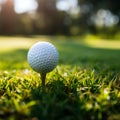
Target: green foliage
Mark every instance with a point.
(84, 85)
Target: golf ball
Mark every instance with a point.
(43, 57)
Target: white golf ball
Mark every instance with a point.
(43, 57)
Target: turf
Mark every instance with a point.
(84, 86)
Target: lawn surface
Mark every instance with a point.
(84, 86)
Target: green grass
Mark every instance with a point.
(84, 86)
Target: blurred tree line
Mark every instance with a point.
(88, 16)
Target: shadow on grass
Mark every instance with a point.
(56, 101)
(79, 54)
(71, 53)
(15, 59)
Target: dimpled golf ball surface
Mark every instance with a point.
(43, 57)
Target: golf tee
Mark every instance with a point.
(43, 77)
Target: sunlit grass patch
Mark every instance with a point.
(18, 42)
(105, 44)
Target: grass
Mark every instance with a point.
(84, 86)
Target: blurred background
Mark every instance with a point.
(60, 17)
